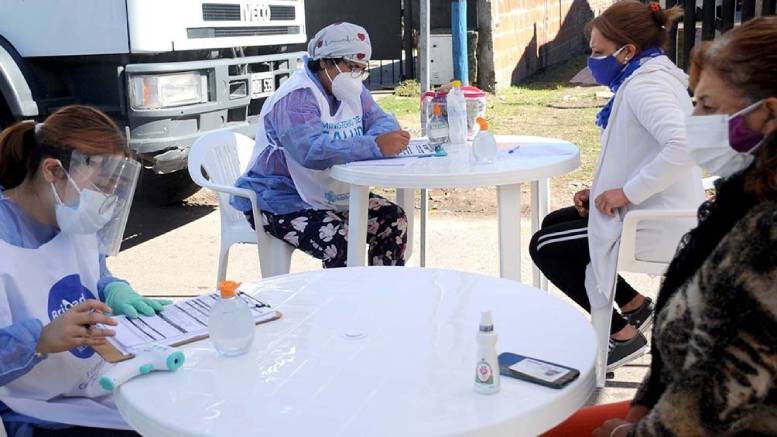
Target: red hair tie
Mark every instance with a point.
(655, 7)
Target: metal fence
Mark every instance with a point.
(711, 19)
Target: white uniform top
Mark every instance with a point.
(43, 284)
(316, 187)
(644, 151)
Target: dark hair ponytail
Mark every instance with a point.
(87, 130)
(17, 147)
(646, 26)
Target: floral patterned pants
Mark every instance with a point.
(324, 234)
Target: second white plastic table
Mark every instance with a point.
(535, 160)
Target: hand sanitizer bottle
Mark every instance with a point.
(230, 323)
(487, 366)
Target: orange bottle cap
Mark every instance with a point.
(228, 289)
(482, 123)
(437, 109)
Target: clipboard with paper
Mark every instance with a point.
(178, 324)
(420, 147)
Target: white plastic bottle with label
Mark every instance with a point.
(230, 323)
(457, 114)
(487, 364)
(484, 145)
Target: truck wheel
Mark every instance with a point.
(165, 189)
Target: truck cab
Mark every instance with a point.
(168, 71)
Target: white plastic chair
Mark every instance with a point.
(224, 156)
(628, 262)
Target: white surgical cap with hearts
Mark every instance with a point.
(341, 40)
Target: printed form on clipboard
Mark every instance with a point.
(420, 147)
(180, 323)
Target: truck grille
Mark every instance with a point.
(278, 13)
(231, 12)
(224, 32)
(220, 12)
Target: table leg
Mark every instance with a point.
(424, 217)
(540, 203)
(359, 202)
(406, 200)
(509, 205)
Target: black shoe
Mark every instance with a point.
(621, 352)
(642, 317)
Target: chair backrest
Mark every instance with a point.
(627, 254)
(224, 156)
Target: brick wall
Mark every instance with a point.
(527, 35)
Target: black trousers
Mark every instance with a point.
(560, 250)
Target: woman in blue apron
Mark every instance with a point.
(320, 117)
(66, 186)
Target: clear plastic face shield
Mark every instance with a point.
(96, 197)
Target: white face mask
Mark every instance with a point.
(344, 87)
(93, 211)
(709, 142)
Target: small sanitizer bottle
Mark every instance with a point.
(487, 365)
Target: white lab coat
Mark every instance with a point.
(644, 151)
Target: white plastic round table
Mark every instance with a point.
(535, 160)
(373, 351)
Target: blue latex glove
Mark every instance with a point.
(124, 300)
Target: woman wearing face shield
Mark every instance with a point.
(66, 186)
(320, 117)
(643, 164)
(714, 352)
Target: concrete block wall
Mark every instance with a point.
(527, 35)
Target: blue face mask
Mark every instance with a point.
(605, 68)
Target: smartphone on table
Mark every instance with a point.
(536, 371)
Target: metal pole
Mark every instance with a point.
(423, 76)
(459, 31)
(423, 46)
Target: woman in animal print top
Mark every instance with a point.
(714, 353)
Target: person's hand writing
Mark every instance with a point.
(76, 328)
(393, 143)
(611, 200)
(581, 201)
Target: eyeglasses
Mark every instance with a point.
(356, 71)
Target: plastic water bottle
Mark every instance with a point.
(484, 145)
(457, 114)
(487, 365)
(438, 127)
(230, 323)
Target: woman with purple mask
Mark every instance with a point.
(714, 354)
(320, 117)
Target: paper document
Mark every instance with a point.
(418, 147)
(179, 323)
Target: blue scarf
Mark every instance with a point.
(603, 117)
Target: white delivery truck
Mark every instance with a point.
(168, 71)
